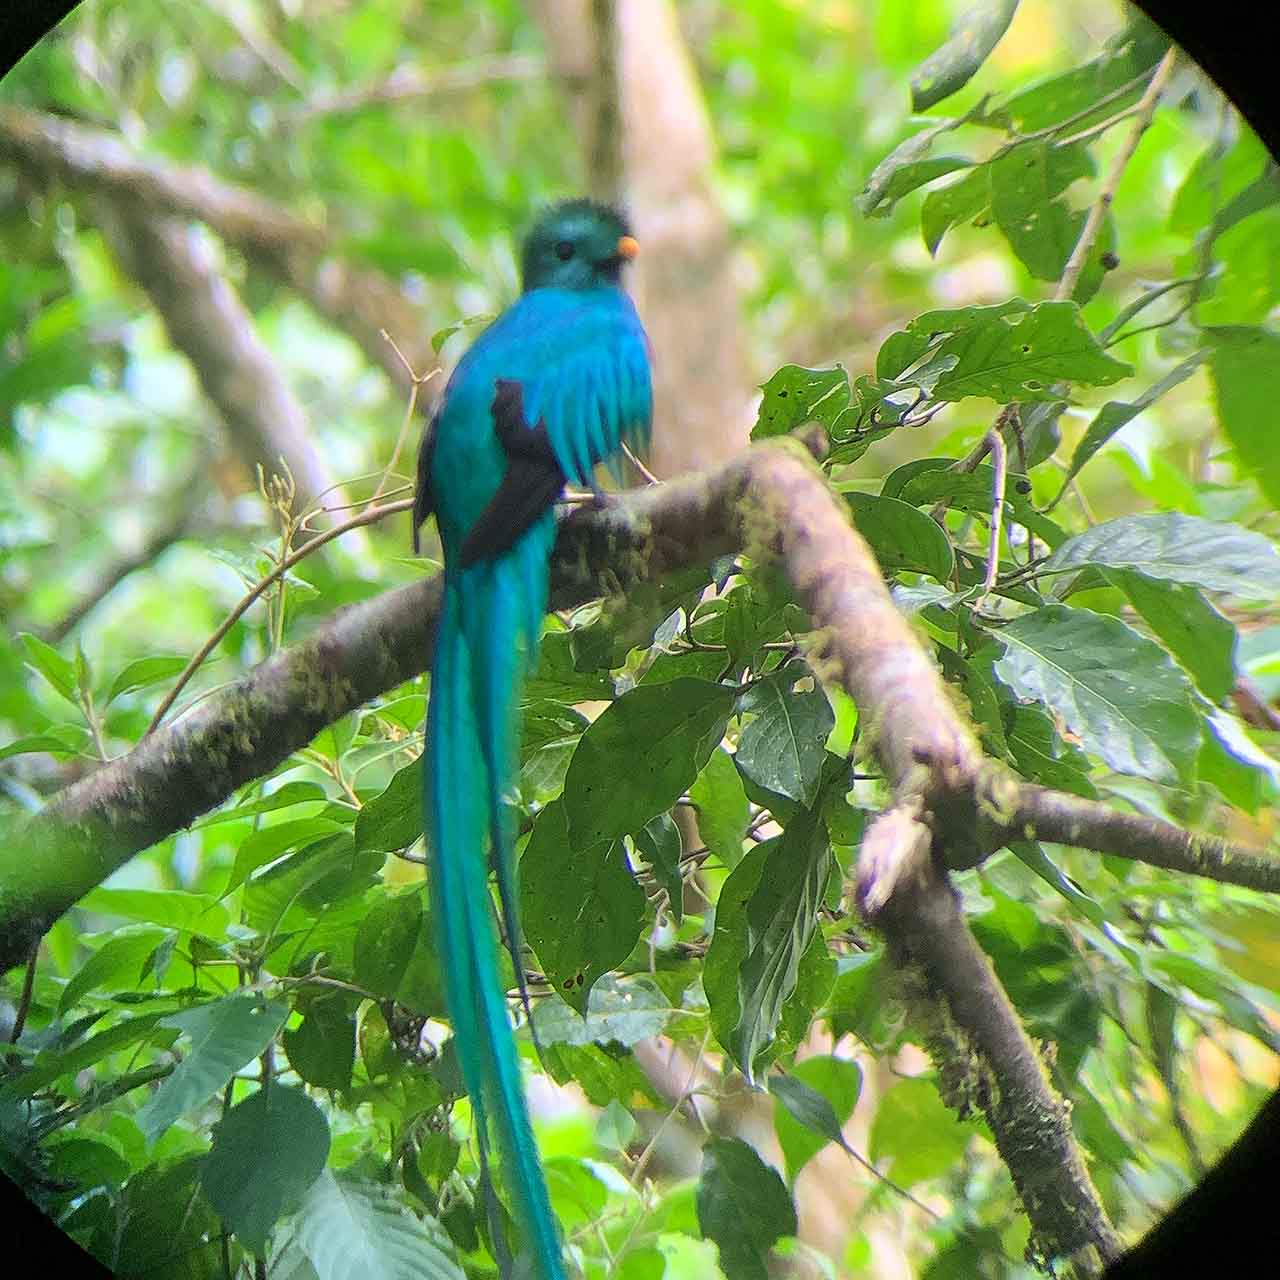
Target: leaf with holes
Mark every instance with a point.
(1014, 351)
(782, 749)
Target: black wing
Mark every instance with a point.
(532, 483)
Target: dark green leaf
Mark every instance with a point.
(783, 747)
(818, 1096)
(901, 536)
(395, 955)
(1245, 367)
(283, 797)
(266, 1152)
(558, 680)
(1059, 97)
(1187, 549)
(581, 907)
(392, 820)
(953, 65)
(322, 1049)
(225, 1035)
(723, 812)
(888, 185)
(744, 1206)
(1115, 689)
(658, 842)
(766, 920)
(1197, 635)
(667, 732)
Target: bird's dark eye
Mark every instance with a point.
(564, 250)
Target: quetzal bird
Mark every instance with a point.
(551, 388)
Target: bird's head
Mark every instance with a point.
(577, 244)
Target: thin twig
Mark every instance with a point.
(24, 1000)
(648, 475)
(1093, 223)
(995, 442)
(370, 515)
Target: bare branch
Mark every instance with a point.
(411, 83)
(1144, 111)
(295, 249)
(1087, 824)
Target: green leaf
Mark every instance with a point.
(723, 811)
(322, 1048)
(668, 731)
(794, 396)
(817, 1097)
(782, 749)
(1197, 635)
(918, 1132)
(1041, 229)
(951, 205)
(1117, 413)
(619, 1010)
(952, 66)
(581, 907)
(173, 908)
(392, 820)
(1247, 285)
(1054, 99)
(145, 671)
(557, 679)
(1234, 763)
(283, 797)
(1245, 369)
(1116, 690)
(60, 672)
(266, 1152)
(289, 894)
(120, 956)
(395, 956)
(766, 919)
(1186, 549)
(660, 845)
(225, 1035)
(897, 176)
(353, 1230)
(269, 843)
(1014, 351)
(901, 536)
(52, 1064)
(973, 492)
(1041, 755)
(744, 1206)
(39, 742)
